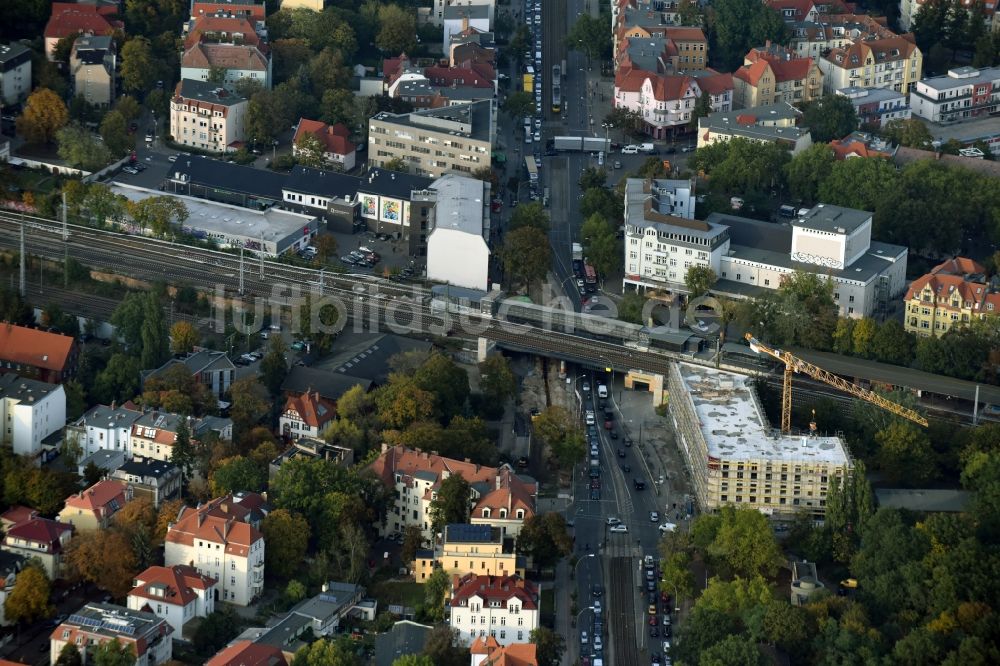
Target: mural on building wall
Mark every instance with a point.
(369, 206)
(390, 211)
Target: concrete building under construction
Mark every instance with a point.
(737, 458)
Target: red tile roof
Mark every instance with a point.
(630, 80)
(206, 26)
(18, 514)
(715, 83)
(40, 530)
(217, 521)
(477, 75)
(97, 498)
(959, 266)
(502, 589)
(313, 410)
(515, 654)
(844, 148)
(38, 349)
(801, 7)
(401, 460)
(178, 584)
(254, 9)
(70, 19)
(336, 138)
(943, 286)
(248, 653)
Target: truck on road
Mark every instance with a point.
(591, 144)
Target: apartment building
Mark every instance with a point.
(953, 294)
(176, 594)
(70, 18)
(772, 124)
(446, 8)
(465, 549)
(235, 61)
(92, 67)
(666, 102)
(92, 509)
(103, 427)
(433, 142)
(737, 459)
(15, 73)
(30, 411)
(156, 479)
(877, 106)
(153, 434)
(218, 541)
(36, 354)
(499, 497)
(641, 19)
(771, 74)
(894, 63)
(212, 369)
(502, 607)
(149, 636)
(962, 94)
(41, 539)
(206, 116)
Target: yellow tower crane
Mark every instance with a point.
(795, 364)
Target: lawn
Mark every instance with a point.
(547, 611)
(404, 593)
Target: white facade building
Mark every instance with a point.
(964, 93)
(458, 252)
(148, 635)
(103, 428)
(208, 117)
(30, 411)
(177, 594)
(505, 607)
(15, 73)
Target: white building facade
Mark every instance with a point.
(964, 93)
(207, 117)
(177, 594)
(30, 411)
(504, 607)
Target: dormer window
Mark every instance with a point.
(486, 513)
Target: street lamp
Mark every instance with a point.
(577, 566)
(576, 621)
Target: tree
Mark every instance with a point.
(525, 256)
(497, 380)
(104, 558)
(183, 337)
(414, 660)
(563, 434)
(216, 630)
(401, 402)
(601, 245)
(138, 69)
(113, 653)
(829, 117)
(529, 215)
(734, 27)
(69, 656)
(274, 367)
(545, 539)
(742, 166)
(593, 177)
(742, 541)
(44, 114)
(733, 650)
(452, 503)
(79, 147)
(310, 151)
(702, 107)
(863, 338)
(29, 600)
(589, 35)
(237, 474)
(128, 108)
(288, 536)
(808, 169)
(893, 344)
(397, 29)
(549, 646)
(326, 246)
(519, 105)
(114, 131)
(699, 280)
(249, 403)
(909, 132)
(863, 184)
(338, 106)
(119, 380)
(437, 586)
(413, 539)
(444, 646)
(905, 455)
(160, 214)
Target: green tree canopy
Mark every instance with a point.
(829, 117)
(525, 256)
(288, 536)
(452, 504)
(544, 537)
(699, 280)
(808, 169)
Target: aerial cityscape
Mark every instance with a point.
(499, 332)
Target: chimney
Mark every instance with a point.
(465, 22)
(455, 580)
(325, 587)
(767, 44)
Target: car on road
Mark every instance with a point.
(597, 607)
(654, 517)
(626, 468)
(612, 521)
(667, 527)
(620, 528)
(596, 590)
(586, 387)
(639, 484)
(595, 484)
(595, 494)
(688, 149)
(348, 259)
(590, 417)
(654, 621)
(627, 441)
(618, 164)
(621, 453)
(654, 632)
(130, 169)
(598, 643)
(584, 639)
(652, 610)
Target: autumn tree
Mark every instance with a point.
(699, 280)
(544, 537)
(452, 504)
(496, 380)
(138, 70)
(104, 558)
(310, 151)
(274, 367)
(183, 337)
(525, 256)
(80, 149)
(563, 434)
(44, 114)
(287, 534)
(413, 540)
(549, 646)
(236, 474)
(397, 29)
(29, 600)
(249, 403)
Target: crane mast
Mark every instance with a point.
(794, 364)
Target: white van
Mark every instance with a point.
(600, 158)
(602, 391)
(630, 150)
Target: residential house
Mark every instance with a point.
(226, 48)
(462, 16)
(315, 5)
(688, 46)
(962, 94)
(15, 73)
(505, 607)
(30, 411)
(467, 52)
(877, 106)
(248, 653)
(95, 623)
(666, 102)
(953, 294)
(105, 460)
(861, 144)
(499, 496)
(92, 64)
(42, 539)
(795, 11)
(861, 52)
(154, 433)
(335, 141)
(36, 354)
(432, 142)
(488, 652)
(212, 369)
(765, 124)
(465, 549)
(436, 15)
(69, 18)
(10, 565)
(405, 637)
(156, 479)
(254, 10)
(772, 74)
(207, 117)
(103, 428)
(177, 594)
(16, 515)
(93, 508)
(306, 415)
(460, 227)
(216, 539)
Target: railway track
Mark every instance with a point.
(621, 611)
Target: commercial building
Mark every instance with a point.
(177, 594)
(877, 106)
(962, 94)
(41, 539)
(772, 74)
(216, 539)
(148, 636)
(433, 142)
(273, 231)
(751, 257)
(458, 251)
(504, 607)
(205, 116)
(735, 456)
(334, 141)
(666, 101)
(766, 124)
(37, 354)
(92, 509)
(465, 549)
(92, 64)
(499, 497)
(30, 411)
(15, 73)
(953, 294)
